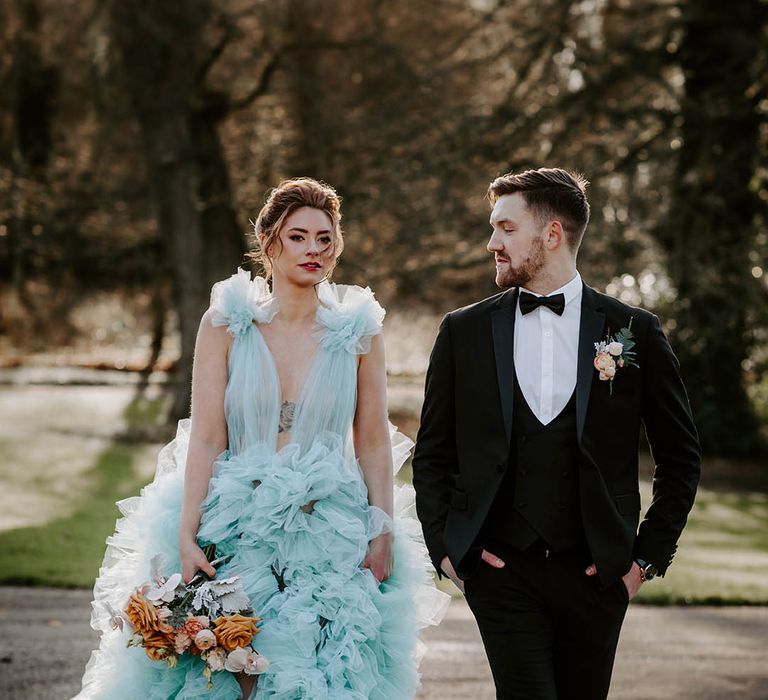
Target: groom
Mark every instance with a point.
(526, 464)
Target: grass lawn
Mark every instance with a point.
(722, 558)
(723, 553)
(68, 551)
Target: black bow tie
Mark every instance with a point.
(530, 302)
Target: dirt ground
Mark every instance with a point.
(701, 653)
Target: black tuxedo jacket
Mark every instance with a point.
(466, 425)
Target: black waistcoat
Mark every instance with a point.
(539, 493)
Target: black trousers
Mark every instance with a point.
(549, 630)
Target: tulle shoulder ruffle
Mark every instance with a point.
(349, 316)
(238, 301)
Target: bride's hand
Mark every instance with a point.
(379, 557)
(193, 559)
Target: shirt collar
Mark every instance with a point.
(571, 290)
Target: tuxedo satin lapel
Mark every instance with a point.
(503, 323)
(591, 330)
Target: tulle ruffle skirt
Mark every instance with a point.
(297, 526)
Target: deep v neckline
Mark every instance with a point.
(301, 385)
(273, 363)
(317, 328)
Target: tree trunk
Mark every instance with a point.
(34, 88)
(174, 183)
(711, 228)
(162, 49)
(223, 239)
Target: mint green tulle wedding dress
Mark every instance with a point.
(330, 630)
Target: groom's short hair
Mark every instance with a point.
(549, 193)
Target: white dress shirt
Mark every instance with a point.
(546, 352)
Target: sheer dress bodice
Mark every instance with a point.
(346, 319)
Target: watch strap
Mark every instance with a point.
(647, 571)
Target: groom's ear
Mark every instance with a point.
(555, 235)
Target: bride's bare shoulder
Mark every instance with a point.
(211, 334)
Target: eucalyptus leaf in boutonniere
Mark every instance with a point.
(614, 353)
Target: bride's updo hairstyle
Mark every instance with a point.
(285, 199)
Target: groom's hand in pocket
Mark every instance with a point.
(492, 560)
(450, 572)
(632, 579)
(486, 556)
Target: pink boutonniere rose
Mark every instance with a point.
(614, 353)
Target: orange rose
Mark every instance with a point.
(158, 646)
(235, 631)
(143, 616)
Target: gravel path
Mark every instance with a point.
(671, 653)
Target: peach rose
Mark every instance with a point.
(143, 616)
(205, 639)
(193, 625)
(235, 630)
(603, 361)
(181, 642)
(615, 348)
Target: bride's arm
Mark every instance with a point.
(373, 447)
(208, 438)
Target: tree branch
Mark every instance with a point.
(259, 88)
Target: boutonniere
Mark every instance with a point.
(613, 353)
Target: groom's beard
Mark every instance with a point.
(521, 275)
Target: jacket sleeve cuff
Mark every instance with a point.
(653, 556)
(436, 561)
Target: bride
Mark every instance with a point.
(287, 467)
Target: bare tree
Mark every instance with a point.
(711, 230)
(164, 56)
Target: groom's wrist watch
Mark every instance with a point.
(648, 571)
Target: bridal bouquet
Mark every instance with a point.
(209, 618)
